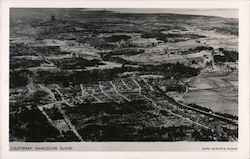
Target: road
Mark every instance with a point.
(174, 102)
(118, 92)
(61, 95)
(72, 127)
(169, 111)
(137, 85)
(103, 92)
(96, 98)
(125, 84)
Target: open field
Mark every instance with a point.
(219, 93)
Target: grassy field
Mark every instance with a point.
(219, 93)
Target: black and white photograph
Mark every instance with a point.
(123, 75)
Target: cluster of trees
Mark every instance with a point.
(31, 126)
(24, 63)
(76, 63)
(230, 116)
(117, 38)
(52, 28)
(120, 60)
(20, 49)
(109, 108)
(68, 136)
(109, 132)
(199, 107)
(24, 49)
(170, 37)
(127, 132)
(197, 49)
(227, 30)
(177, 71)
(77, 77)
(98, 43)
(228, 56)
(33, 99)
(39, 97)
(205, 135)
(19, 78)
(176, 87)
(126, 52)
(53, 113)
(235, 117)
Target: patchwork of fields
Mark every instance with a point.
(217, 92)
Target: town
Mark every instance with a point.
(100, 75)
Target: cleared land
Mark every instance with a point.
(220, 93)
(81, 75)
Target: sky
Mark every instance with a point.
(226, 13)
